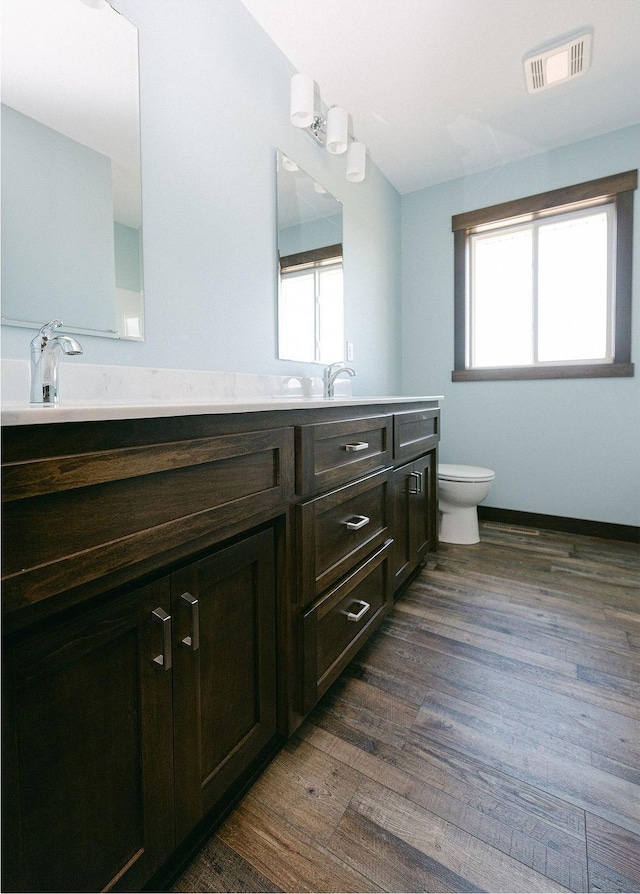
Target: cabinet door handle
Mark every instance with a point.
(416, 477)
(357, 616)
(356, 522)
(193, 641)
(164, 659)
(356, 446)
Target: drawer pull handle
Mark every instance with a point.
(193, 641)
(164, 659)
(416, 477)
(356, 446)
(357, 616)
(356, 522)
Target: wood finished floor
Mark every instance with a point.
(486, 739)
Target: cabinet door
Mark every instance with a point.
(415, 507)
(224, 671)
(423, 505)
(402, 550)
(88, 750)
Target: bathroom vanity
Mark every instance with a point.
(179, 589)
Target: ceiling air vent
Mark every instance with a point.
(558, 63)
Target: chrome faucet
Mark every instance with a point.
(45, 353)
(331, 373)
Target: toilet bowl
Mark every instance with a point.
(460, 489)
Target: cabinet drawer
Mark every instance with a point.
(339, 529)
(115, 508)
(332, 453)
(337, 625)
(415, 432)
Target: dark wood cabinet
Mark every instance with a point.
(129, 723)
(339, 529)
(88, 751)
(415, 507)
(340, 621)
(177, 594)
(224, 691)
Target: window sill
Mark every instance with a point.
(577, 371)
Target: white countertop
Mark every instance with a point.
(18, 413)
(95, 392)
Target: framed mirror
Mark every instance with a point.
(71, 199)
(310, 256)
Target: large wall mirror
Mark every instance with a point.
(310, 291)
(71, 201)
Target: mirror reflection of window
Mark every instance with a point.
(311, 295)
(311, 308)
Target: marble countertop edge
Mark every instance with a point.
(19, 413)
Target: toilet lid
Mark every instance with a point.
(451, 472)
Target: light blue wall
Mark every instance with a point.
(559, 447)
(73, 258)
(310, 234)
(214, 107)
(128, 257)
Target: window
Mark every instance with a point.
(543, 284)
(311, 316)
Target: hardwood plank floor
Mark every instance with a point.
(487, 738)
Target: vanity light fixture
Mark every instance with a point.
(356, 161)
(330, 130)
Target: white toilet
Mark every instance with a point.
(460, 489)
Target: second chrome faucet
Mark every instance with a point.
(331, 373)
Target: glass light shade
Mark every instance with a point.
(337, 130)
(302, 98)
(356, 162)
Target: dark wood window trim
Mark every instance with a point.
(617, 188)
(314, 256)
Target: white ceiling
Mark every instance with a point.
(436, 88)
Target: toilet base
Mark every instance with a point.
(459, 526)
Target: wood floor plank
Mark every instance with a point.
(284, 856)
(521, 752)
(567, 645)
(411, 613)
(483, 804)
(308, 787)
(549, 673)
(533, 612)
(219, 868)
(613, 857)
(562, 717)
(495, 566)
(481, 865)
(525, 807)
(391, 862)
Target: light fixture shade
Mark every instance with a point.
(337, 130)
(356, 162)
(302, 99)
